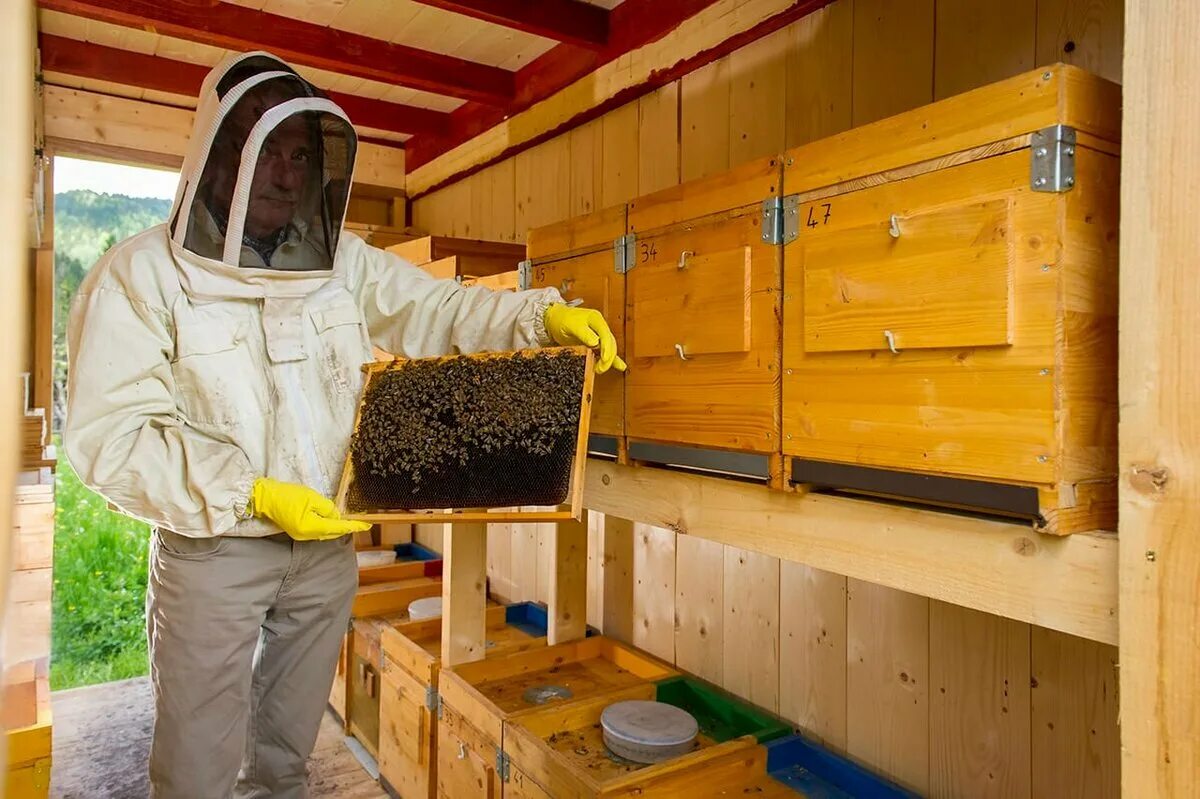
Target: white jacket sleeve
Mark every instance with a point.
(123, 433)
(414, 315)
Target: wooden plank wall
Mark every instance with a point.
(950, 702)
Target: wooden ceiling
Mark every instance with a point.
(433, 71)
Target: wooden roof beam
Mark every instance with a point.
(234, 27)
(87, 60)
(570, 21)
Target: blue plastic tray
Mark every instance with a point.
(818, 773)
(415, 552)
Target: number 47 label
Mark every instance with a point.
(818, 214)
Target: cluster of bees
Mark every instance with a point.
(462, 430)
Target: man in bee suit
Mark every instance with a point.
(214, 376)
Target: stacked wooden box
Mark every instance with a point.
(383, 590)
(26, 702)
(490, 263)
(921, 308)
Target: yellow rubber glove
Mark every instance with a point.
(569, 326)
(303, 514)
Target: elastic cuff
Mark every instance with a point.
(550, 297)
(243, 499)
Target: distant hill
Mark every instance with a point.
(86, 222)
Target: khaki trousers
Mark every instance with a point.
(244, 635)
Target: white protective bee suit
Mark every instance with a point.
(215, 349)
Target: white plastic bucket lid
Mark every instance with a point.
(429, 607)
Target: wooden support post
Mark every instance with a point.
(1159, 390)
(464, 594)
(617, 573)
(567, 615)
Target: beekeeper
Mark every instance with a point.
(214, 374)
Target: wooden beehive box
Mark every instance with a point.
(471, 258)
(578, 257)
(479, 699)
(483, 437)
(702, 321)
(561, 752)
(408, 701)
(27, 615)
(28, 746)
(376, 599)
(949, 313)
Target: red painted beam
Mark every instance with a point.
(569, 21)
(565, 64)
(86, 60)
(234, 27)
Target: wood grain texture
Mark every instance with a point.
(617, 572)
(654, 590)
(1087, 33)
(464, 594)
(595, 570)
(1159, 456)
(704, 121)
(819, 87)
(568, 589)
(658, 139)
(887, 682)
(751, 634)
(757, 107)
(812, 651)
(893, 57)
(700, 607)
(587, 167)
(979, 706)
(619, 135)
(543, 183)
(1076, 738)
(979, 42)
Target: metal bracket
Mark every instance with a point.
(1052, 166)
(781, 219)
(772, 220)
(525, 275)
(432, 700)
(502, 765)
(624, 253)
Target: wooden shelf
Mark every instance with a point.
(1067, 584)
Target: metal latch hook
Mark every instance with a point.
(890, 338)
(683, 258)
(462, 751)
(894, 226)
(679, 350)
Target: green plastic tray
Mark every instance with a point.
(721, 717)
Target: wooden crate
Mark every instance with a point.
(29, 747)
(702, 318)
(27, 615)
(382, 236)
(944, 317)
(390, 599)
(577, 257)
(503, 281)
(472, 258)
(408, 698)
(479, 699)
(560, 752)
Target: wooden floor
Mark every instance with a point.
(102, 741)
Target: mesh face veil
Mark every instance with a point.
(271, 184)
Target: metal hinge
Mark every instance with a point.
(502, 764)
(439, 707)
(525, 275)
(624, 253)
(1052, 166)
(780, 219)
(432, 700)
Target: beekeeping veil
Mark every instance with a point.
(267, 178)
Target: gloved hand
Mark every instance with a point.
(586, 326)
(303, 514)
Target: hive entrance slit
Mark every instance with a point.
(494, 430)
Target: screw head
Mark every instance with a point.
(1068, 150)
(789, 436)
(1151, 555)
(1041, 152)
(1069, 182)
(791, 161)
(1042, 458)
(789, 371)
(1040, 182)
(1046, 76)
(1045, 267)
(1044, 372)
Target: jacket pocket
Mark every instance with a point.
(344, 345)
(216, 380)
